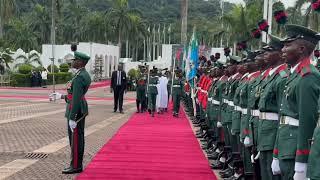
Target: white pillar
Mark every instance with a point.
(267, 15)
(106, 66)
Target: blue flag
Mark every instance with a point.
(194, 56)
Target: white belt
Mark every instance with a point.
(225, 101)
(215, 102)
(244, 111)
(204, 91)
(238, 108)
(269, 116)
(209, 99)
(255, 113)
(289, 120)
(176, 86)
(152, 85)
(231, 103)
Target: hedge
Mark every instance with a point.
(24, 80)
(60, 78)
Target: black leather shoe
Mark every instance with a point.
(227, 174)
(121, 112)
(217, 165)
(71, 170)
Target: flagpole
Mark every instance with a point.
(153, 43)
(164, 34)
(144, 49)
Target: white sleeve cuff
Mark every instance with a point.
(300, 167)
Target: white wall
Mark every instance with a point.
(161, 62)
(92, 49)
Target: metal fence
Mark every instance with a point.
(4, 80)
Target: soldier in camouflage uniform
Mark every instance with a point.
(152, 91)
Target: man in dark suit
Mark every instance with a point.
(118, 87)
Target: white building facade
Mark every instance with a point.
(108, 53)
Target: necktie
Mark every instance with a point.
(119, 78)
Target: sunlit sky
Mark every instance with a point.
(287, 3)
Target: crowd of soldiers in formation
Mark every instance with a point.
(154, 88)
(257, 115)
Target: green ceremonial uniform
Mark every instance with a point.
(298, 117)
(177, 90)
(299, 108)
(77, 110)
(244, 126)
(313, 162)
(210, 106)
(226, 113)
(270, 100)
(141, 94)
(152, 92)
(234, 113)
(218, 104)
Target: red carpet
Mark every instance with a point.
(151, 148)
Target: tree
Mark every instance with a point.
(7, 9)
(5, 59)
(311, 18)
(31, 59)
(40, 23)
(20, 35)
(95, 27)
(121, 17)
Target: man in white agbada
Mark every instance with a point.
(162, 97)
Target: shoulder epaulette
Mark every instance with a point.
(305, 70)
(283, 74)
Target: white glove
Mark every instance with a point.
(252, 158)
(300, 171)
(55, 96)
(300, 176)
(72, 125)
(219, 124)
(257, 156)
(275, 167)
(246, 141)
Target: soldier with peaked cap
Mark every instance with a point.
(270, 99)
(76, 111)
(152, 90)
(313, 162)
(141, 90)
(177, 91)
(299, 107)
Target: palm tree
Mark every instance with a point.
(95, 27)
(241, 20)
(121, 17)
(31, 58)
(41, 22)
(7, 9)
(20, 35)
(5, 59)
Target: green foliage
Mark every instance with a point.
(38, 69)
(133, 74)
(55, 69)
(25, 69)
(60, 78)
(64, 67)
(21, 80)
(24, 80)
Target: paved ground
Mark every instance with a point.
(29, 123)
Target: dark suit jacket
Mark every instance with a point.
(123, 80)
